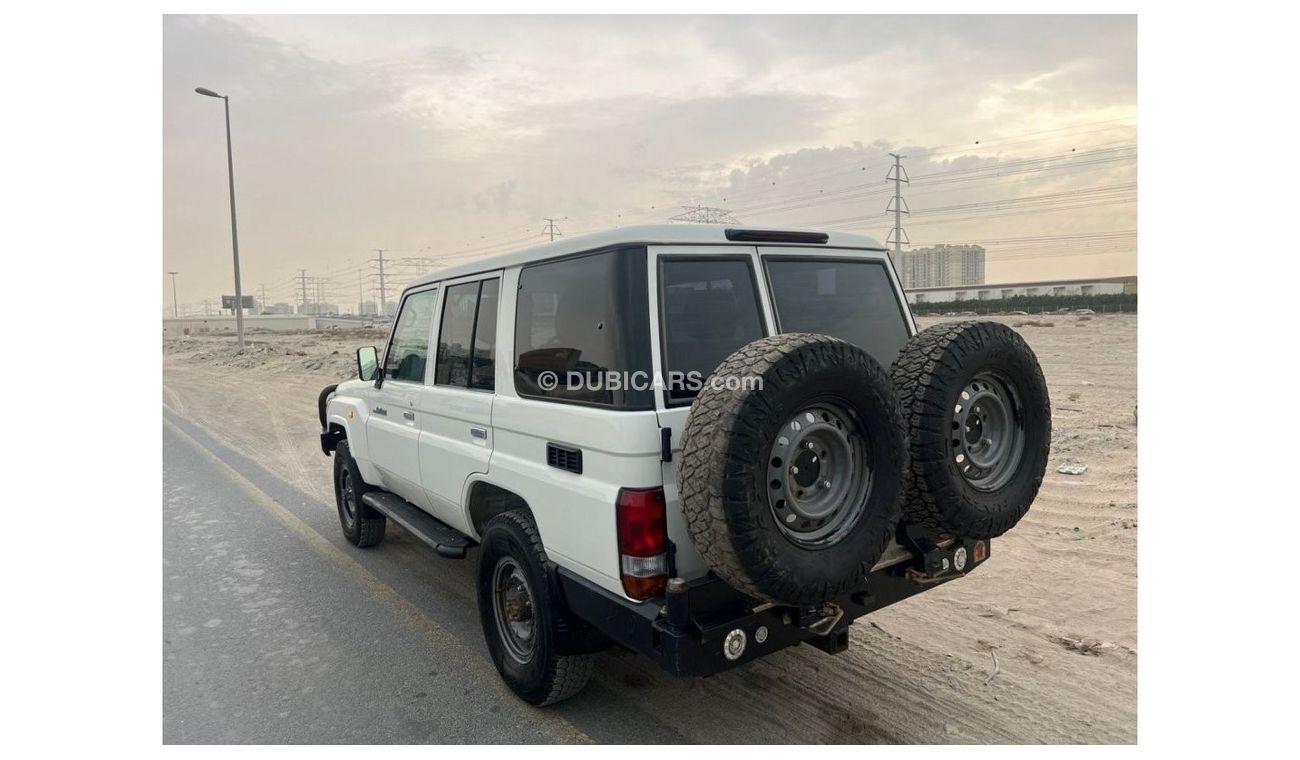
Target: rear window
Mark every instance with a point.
(457, 333)
(850, 300)
(580, 322)
(708, 309)
(469, 318)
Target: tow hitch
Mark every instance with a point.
(822, 620)
(945, 558)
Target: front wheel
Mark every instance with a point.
(525, 626)
(362, 526)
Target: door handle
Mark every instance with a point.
(409, 415)
(480, 433)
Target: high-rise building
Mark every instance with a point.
(941, 265)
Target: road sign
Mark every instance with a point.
(228, 302)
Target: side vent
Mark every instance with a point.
(564, 458)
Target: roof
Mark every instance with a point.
(1036, 283)
(647, 234)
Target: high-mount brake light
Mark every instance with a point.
(776, 236)
(642, 541)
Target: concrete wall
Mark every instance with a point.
(350, 323)
(177, 327)
(997, 292)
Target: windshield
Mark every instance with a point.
(852, 300)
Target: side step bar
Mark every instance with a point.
(445, 540)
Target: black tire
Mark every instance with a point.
(362, 525)
(727, 456)
(945, 491)
(555, 667)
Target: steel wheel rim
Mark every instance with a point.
(988, 434)
(512, 606)
(348, 493)
(818, 479)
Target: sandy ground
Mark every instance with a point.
(1040, 645)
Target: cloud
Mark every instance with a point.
(418, 132)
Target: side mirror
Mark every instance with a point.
(367, 363)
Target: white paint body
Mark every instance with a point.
(436, 458)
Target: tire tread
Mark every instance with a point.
(923, 374)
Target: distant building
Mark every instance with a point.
(941, 266)
(318, 309)
(1096, 286)
(279, 308)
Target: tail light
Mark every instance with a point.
(643, 542)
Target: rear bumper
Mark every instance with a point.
(687, 632)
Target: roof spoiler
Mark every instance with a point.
(776, 236)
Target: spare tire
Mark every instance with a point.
(979, 424)
(791, 485)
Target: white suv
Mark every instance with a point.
(698, 442)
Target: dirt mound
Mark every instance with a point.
(328, 353)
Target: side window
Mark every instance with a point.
(485, 338)
(456, 334)
(582, 329)
(708, 309)
(408, 351)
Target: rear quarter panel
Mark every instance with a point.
(575, 514)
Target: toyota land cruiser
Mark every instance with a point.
(700, 443)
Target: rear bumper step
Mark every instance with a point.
(445, 540)
(688, 632)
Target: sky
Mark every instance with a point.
(444, 138)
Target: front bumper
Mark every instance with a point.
(694, 632)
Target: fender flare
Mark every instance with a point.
(322, 401)
(344, 418)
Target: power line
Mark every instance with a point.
(1020, 166)
(967, 148)
(1097, 156)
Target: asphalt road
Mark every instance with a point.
(276, 630)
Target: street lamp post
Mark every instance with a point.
(234, 227)
(175, 308)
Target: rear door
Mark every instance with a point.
(455, 407)
(392, 428)
(706, 301)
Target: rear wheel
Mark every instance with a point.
(362, 525)
(535, 644)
